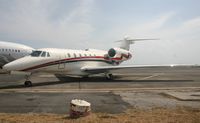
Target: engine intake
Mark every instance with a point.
(111, 52)
(119, 53)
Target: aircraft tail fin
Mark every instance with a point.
(126, 42)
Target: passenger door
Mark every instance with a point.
(62, 62)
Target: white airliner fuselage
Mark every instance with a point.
(12, 51)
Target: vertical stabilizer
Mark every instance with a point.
(125, 44)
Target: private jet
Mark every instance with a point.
(12, 51)
(82, 63)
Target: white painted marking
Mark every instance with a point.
(148, 77)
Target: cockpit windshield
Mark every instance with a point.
(36, 53)
(43, 54)
(40, 54)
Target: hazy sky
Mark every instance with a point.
(80, 24)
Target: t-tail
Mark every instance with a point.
(122, 52)
(126, 42)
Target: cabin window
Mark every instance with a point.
(18, 50)
(68, 55)
(74, 55)
(43, 54)
(15, 50)
(36, 53)
(85, 55)
(80, 55)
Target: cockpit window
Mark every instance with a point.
(48, 55)
(43, 54)
(40, 54)
(36, 53)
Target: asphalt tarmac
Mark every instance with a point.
(145, 88)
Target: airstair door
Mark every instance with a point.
(62, 62)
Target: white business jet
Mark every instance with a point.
(12, 51)
(74, 62)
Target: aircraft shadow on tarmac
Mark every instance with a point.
(64, 80)
(117, 79)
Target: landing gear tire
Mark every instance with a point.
(28, 83)
(109, 76)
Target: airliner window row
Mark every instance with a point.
(10, 50)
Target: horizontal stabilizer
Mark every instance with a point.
(125, 43)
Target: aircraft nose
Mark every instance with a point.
(10, 66)
(7, 67)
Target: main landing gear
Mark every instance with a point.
(109, 76)
(27, 83)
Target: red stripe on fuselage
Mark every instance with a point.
(71, 59)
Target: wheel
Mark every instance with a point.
(109, 76)
(28, 83)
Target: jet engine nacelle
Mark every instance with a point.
(119, 53)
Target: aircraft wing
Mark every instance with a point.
(139, 68)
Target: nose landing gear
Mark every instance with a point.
(27, 83)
